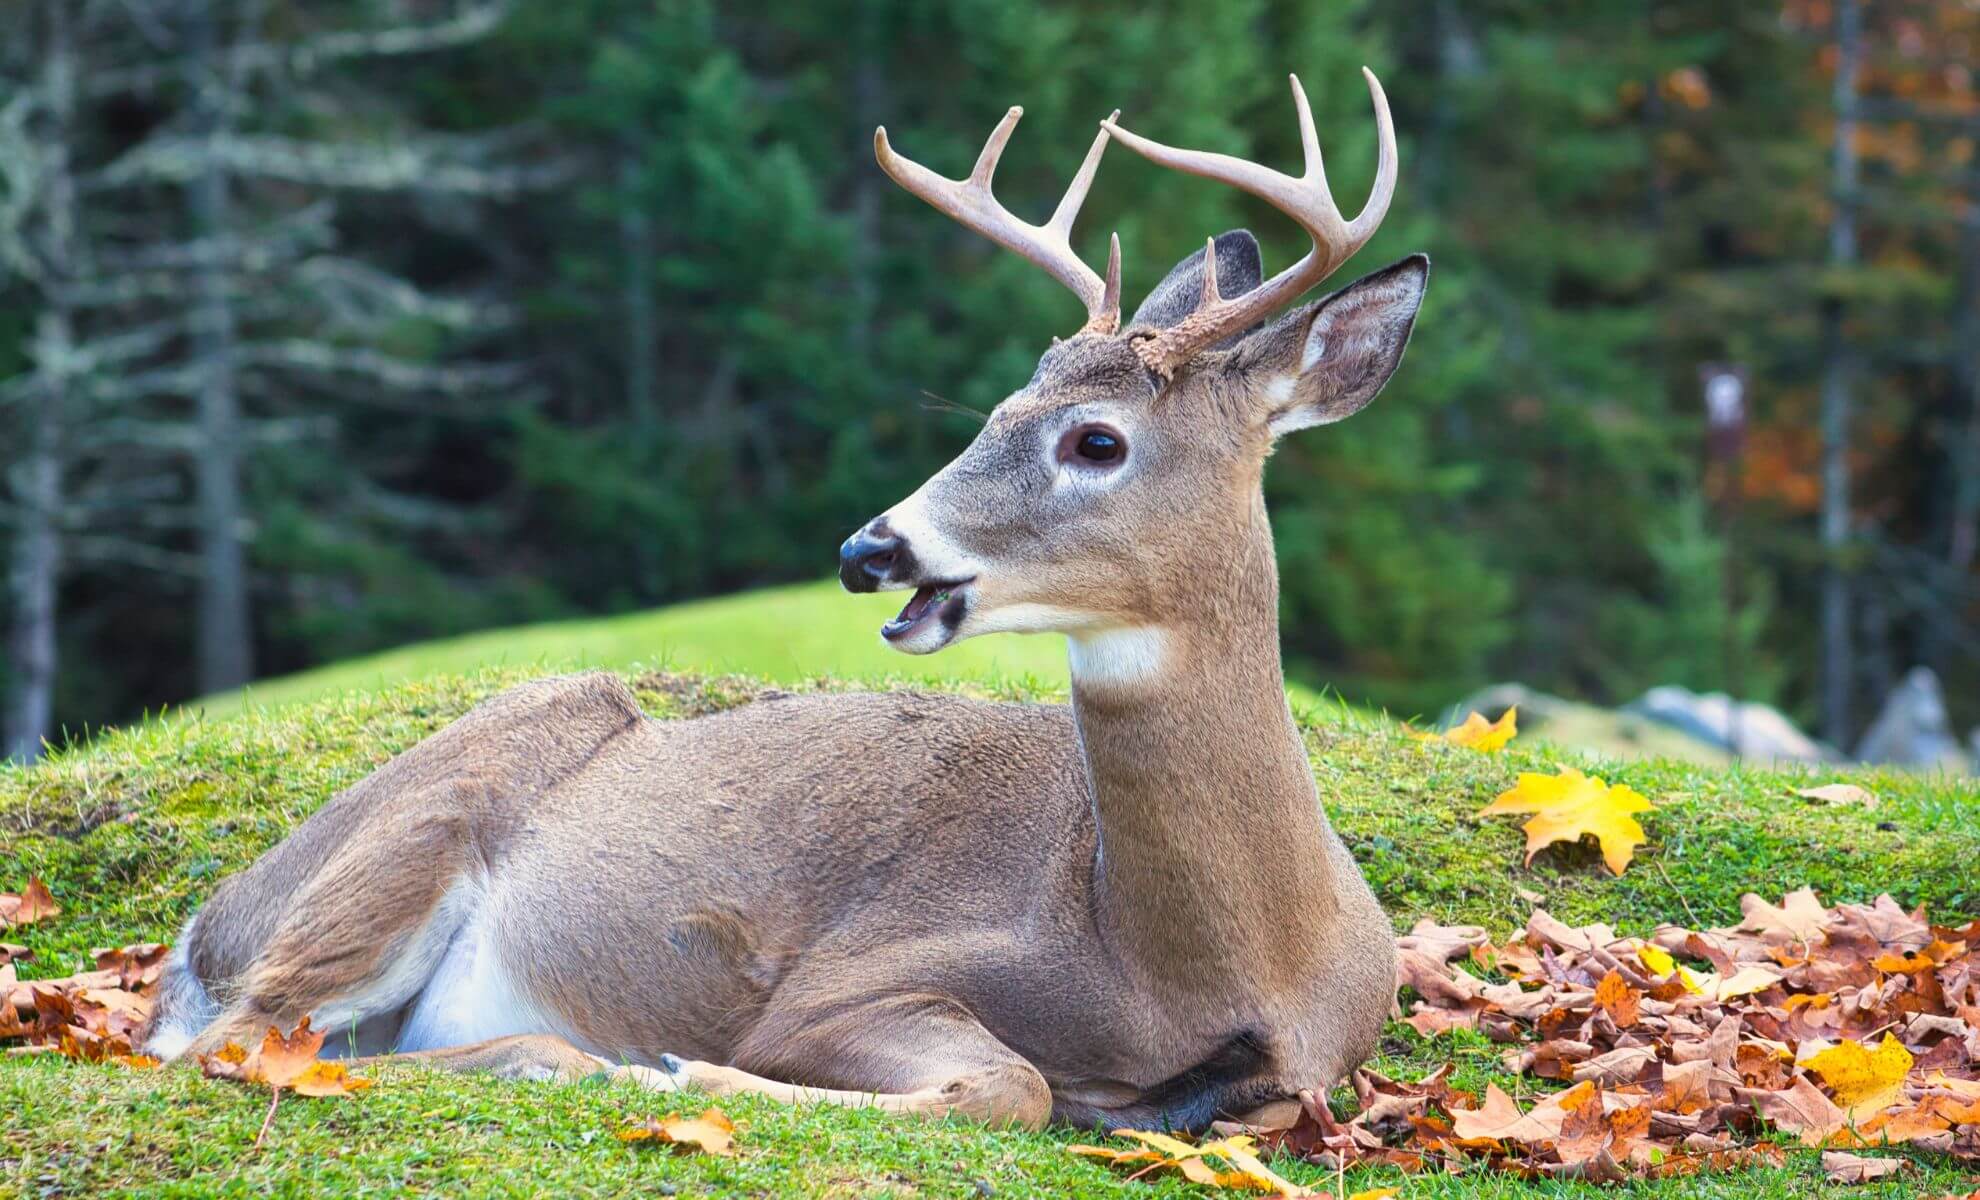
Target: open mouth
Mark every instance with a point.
(943, 602)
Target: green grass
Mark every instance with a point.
(133, 830)
(785, 634)
(782, 634)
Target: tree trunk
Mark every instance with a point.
(35, 577)
(36, 574)
(225, 639)
(1836, 649)
(1963, 538)
(642, 352)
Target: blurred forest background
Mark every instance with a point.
(327, 325)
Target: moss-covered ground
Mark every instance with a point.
(134, 829)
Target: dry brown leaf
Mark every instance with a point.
(1499, 1118)
(137, 966)
(1800, 1109)
(1840, 794)
(33, 903)
(710, 1133)
(1843, 1167)
(1799, 918)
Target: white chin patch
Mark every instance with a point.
(1117, 658)
(928, 637)
(1027, 618)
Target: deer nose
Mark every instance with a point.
(873, 556)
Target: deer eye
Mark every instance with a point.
(1093, 445)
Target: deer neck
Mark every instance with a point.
(1213, 850)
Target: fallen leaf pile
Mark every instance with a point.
(711, 1133)
(1569, 805)
(1843, 1028)
(92, 1015)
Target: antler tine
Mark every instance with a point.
(1306, 200)
(971, 203)
(1082, 181)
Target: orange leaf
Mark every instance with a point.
(327, 1079)
(228, 1062)
(1621, 1001)
(711, 1133)
(281, 1060)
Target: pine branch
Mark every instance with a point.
(358, 295)
(300, 354)
(286, 239)
(309, 55)
(426, 165)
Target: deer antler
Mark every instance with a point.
(1306, 200)
(969, 202)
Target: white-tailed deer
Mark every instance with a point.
(1128, 910)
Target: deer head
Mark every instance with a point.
(1119, 491)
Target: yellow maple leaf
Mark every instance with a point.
(1170, 1153)
(1865, 1081)
(1570, 804)
(1478, 733)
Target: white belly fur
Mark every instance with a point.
(471, 996)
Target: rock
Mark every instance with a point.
(1585, 727)
(1913, 729)
(1754, 732)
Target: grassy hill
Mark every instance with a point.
(785, 634)
(133, 830)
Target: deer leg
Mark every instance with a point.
(359, 940)
(913, 1052)
(1006, 1093)
(924, 1057)
(538, 1057)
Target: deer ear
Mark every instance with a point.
(1326, 361)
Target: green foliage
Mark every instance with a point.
(1689, 625)
(740, 340)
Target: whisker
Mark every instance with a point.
(944, 404)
